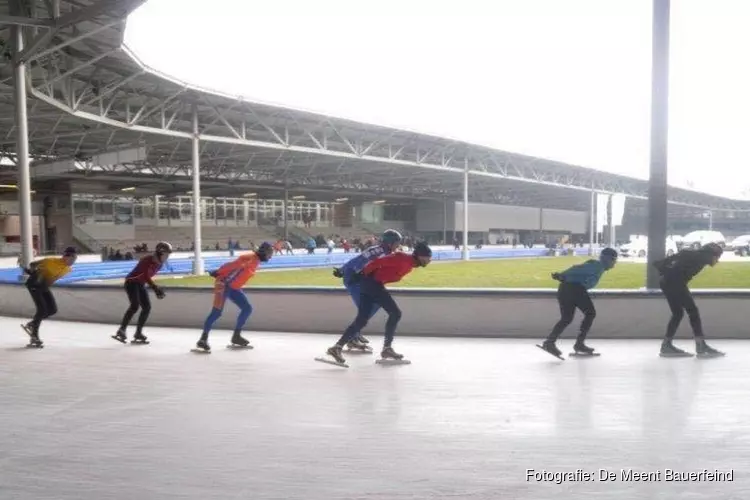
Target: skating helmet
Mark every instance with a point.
(265, 251)
(714, 249)
(608, 257)
(423, 253)
(70, 255)
(163, 248)
(391, 237)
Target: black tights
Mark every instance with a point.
(44, 302)
(572, 296)
(680, 301)
(138, 297)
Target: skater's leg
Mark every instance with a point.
(586, 306)
(145, 303)
(220, 297)
(385, 300)
(693, 314)
(240, 300)
(366, 304)
(131, 289)
(355, 290)
(566, 299)
(37, 295)
(675, 295)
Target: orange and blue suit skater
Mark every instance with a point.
(229, 280)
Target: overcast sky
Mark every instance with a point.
(561, 79)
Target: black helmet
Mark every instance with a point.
(609, 253)
(391, 237)
(421, 249)
(714, 249)
(163, 248)
(70, 251)
(265, 251)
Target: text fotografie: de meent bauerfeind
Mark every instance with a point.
(628, 475)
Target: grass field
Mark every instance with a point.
(505, 273)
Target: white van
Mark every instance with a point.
(638, 247)
(697, 239)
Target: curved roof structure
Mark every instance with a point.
(96, 112)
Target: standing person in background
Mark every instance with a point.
(573, 294)
(42, 275)
(135, 288)
(676, 272)
(228, 283)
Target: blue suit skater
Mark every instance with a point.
(573, 294)
(350, 272)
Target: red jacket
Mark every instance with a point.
(391, 268)
(145, 270)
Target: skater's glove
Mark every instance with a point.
(337, 272)
(558, 277)
(159, 293)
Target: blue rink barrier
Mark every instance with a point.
(119, 269)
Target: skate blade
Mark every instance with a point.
(582, 355)
(331, 362)
(710, 356)
(545, 350)
(119, 340)
(139, 342)
(26, 330)
(235, 347)
(677, 355)
(34, 346)
(392, 362)
(200, 351)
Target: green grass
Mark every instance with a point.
(505, 273)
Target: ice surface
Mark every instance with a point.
(88, 418)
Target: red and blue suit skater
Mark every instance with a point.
(389, 242)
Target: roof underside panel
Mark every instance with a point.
(88, 95)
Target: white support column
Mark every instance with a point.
(445, 221)
(610, 223)
(285, 213)
(197, 239)
(465, 249)
(592, 223)
(22, 151)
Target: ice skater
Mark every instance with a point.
(42, 275)
(676, 272)
(373, 278)
(389, 243)
(572, 294)
(229, 280)
(135, 288)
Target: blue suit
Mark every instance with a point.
(355, 266)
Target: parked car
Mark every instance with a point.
(740, 245)
(697, 239)
(639, 248)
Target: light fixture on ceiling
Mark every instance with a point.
(131, 188)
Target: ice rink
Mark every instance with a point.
(87, 418)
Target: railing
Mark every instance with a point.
(85, 239)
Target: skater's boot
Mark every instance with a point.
(668, 350)
(550, 347)
(120, 336)
(335, 353)
(389, 353)
(140, 338)
(203, 345)
(362, 339)
(356, 345)
(239, 340)
(704, 350)
(581, 348)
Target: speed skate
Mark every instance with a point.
(392, 362)
(584, 354)
(330, 361)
